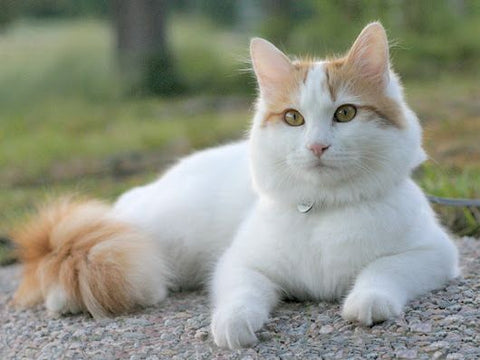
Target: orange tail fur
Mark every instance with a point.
(77, 257)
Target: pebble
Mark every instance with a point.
(421, 327)
(406, 354)
(455, 356)
(326, 329)
(438, 345)
(201, 334)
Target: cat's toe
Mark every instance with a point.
(234, 328)
(370, 306)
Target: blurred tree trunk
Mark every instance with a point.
(7, 12)
(280, 19)
(143, 51)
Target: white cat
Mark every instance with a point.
(318, 204)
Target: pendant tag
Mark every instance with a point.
(305, 206)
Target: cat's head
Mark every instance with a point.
(336, 130)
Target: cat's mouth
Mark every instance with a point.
(314, 165)
(320, 165)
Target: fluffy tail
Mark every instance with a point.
(78, 257)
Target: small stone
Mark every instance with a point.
(437, 355)
(407, 354)
(421, 327)
(438, 345)
(455, 308)
(326, 329)
(453, 319)
(201, 334)
(455, 356)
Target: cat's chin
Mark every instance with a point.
(322, 167)
(321, 173)
(317, 166)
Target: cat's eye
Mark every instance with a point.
(345, 113)
(293, 118)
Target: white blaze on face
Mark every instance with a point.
(316, 107)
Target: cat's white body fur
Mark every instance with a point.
(376, 241)
(194, 210)
(227, 217)
(371, 236)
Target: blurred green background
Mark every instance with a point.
(98, 96)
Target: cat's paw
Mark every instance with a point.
(370, 306)
(234, 327)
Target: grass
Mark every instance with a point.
(66, 126)
(450, 114)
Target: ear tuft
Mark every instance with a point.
(369, 53)
(271, 66)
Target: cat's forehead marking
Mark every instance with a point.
(288, 95)
(314, 93)
(331, 89)
(342, 78)
(332, 69)
(303, 67)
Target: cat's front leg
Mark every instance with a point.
(243, 298)
(385, 285)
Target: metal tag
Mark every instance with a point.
(305, 206)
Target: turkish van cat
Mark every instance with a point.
(317, 204)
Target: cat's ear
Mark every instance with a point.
(272, 67)
(369, 54)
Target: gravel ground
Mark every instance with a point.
(444, 324)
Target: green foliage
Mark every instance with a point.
(41, 60)
(209, 61)
(7, 12)
(429, 37)
(454, 183)
(56, 8)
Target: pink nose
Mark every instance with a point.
(318, 149)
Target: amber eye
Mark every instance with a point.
(345, 113)
(293, 118)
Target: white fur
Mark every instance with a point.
(371, 235)
(58, 303)
(194, 210)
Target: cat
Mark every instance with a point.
(317, 204)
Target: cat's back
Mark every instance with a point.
(212, 161)
(198, 180)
